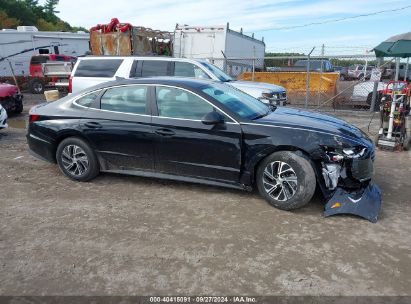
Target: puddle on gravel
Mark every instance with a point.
(17, 123)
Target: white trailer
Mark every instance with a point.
(242, 52)
(18, 45)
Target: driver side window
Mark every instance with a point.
(178, 103)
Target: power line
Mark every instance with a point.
(334, 20)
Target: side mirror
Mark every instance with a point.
(212, 118)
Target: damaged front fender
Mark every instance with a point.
(365, 202)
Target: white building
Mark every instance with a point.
(210, 42)
(17, 46)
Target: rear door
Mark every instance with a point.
(89, 72)
(119, 128)
(151, 68)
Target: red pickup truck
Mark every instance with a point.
(38, 81)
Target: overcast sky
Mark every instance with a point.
(261, 17)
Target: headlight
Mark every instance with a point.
(354, 152)
(336, 155)
(267, 95)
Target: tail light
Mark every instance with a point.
(34, 117)
(70, 84)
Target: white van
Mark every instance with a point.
(92, 70)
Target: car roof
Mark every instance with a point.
(164, 58)
(187, 82)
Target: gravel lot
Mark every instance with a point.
(120, 235)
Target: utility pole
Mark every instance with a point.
(321, 74)
(253, 75)
(307, 80)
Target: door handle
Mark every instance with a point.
(165, 132)
(93, 125)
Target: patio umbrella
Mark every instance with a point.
(395, 46)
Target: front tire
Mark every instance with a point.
(286, 180)
(77, 160)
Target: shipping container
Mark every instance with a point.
(211, 42)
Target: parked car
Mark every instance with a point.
(38, 81)
(10, 98)
(388, 71)
(315, 65)
(3, 118)
(202, 131)
(363, 91)
(301, 66)
(343, 72)
(93, 70)
(357, 71)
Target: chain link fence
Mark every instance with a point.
(327, 82)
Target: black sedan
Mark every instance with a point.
(206, 132)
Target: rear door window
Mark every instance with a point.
(87, 100)
(38, 59)
(98, 68)
(129, 99)
(155, 68)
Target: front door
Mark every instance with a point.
(186, 146)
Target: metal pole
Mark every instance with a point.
(307, 82)
(14, 76)
(224, 62)
(406, 69)
(375, 89)
(253, 64)
(397, 68)
(321, 76)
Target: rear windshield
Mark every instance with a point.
(38, 59)
(98, 68)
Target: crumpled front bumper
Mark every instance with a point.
(364, 202)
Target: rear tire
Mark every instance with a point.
(376, 139)
(407, 144)
(286, 180)
(19, 108)
(77, 160)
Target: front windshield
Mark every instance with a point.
(216, 71)
(238, 102)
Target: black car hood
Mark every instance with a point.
(303, 119)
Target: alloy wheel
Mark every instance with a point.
(280, 181)
(74, 160)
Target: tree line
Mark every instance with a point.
(29, 12)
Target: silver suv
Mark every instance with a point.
(92, 70)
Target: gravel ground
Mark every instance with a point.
(122, 235)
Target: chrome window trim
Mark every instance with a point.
(165, 117)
